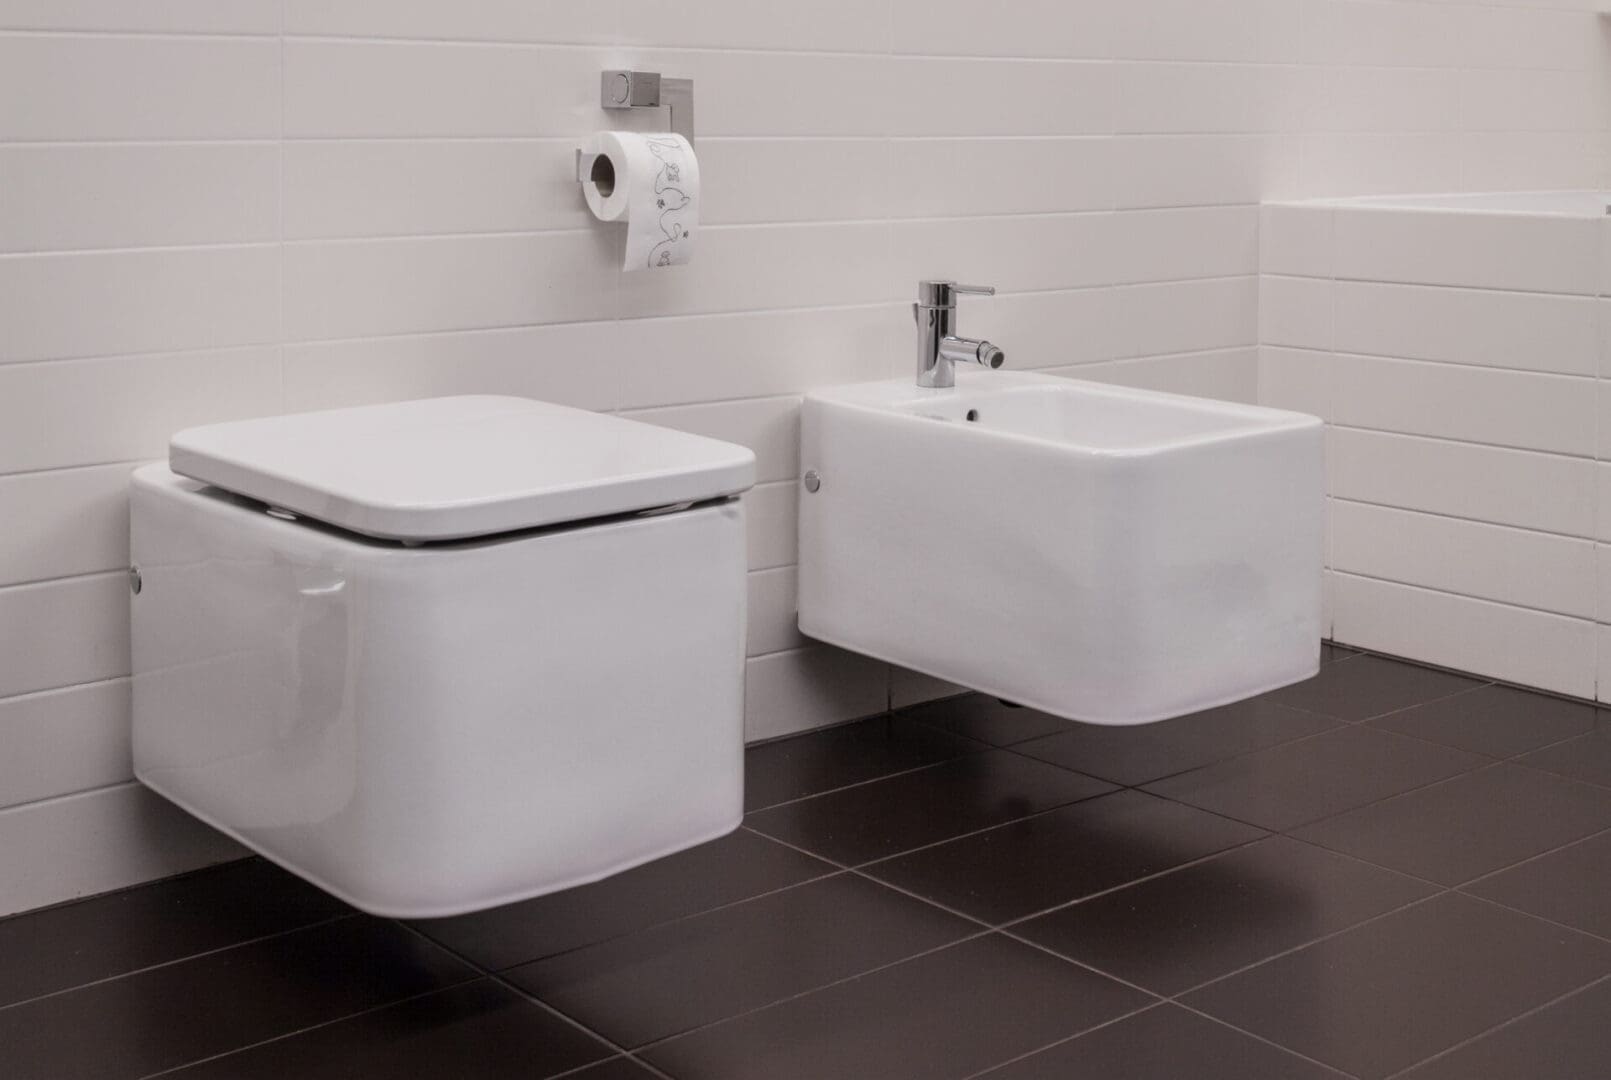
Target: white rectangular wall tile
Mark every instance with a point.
(1188, 316)
(64, 522)
(92, 412)
(1228, 375)
(473, 20)
(62, 741)
(69, 87)
(373, 288)
(795, 691)
(1530, 411)
(772, 514)
(1296, 312)
(768, 426)
(1489, 562)
(1511, 643)
(60, 198)
(1296, 379)
(1483, 483)
(1525, 252)
(1529, 331)
(1295, 240)
(566, 363)
(773, 617)
(100, 840)
(59, 633)
(107, 303)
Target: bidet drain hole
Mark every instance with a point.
(973, 414)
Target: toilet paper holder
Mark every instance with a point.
(625, 89)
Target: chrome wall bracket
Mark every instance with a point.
(624, 89)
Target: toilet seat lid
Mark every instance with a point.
(458, 467)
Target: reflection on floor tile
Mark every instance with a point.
(1179, 929)
(1387, 994)
(1367, 686)
(877, 820)
(1283, 877)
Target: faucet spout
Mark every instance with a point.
(938, 348)
(961, 350)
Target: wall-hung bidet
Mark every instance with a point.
(1104, 554)
(441, 655)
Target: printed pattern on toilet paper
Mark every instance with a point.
(677, 207)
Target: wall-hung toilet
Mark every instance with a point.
(441, 655)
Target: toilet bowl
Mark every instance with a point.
(442, 655)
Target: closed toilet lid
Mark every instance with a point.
(458, 467)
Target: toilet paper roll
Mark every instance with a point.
(651, 181)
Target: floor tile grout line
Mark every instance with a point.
(1140, 785)
(838, 871)
(1011, 924)
(616, 1048)
(984, 748)
(981, 933)
(985, 1072)
(1533, 916)
(1446, 1051)
(315, 1027)
(1532, 858)
(1265, 1039)
(1417, 902)
(181, 959)
(1116, 789)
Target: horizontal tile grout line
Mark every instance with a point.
(983, 748)
(1465, 596)
(586, 228)
(1457, 517)
(1500, 1026)
(59, 579)
(1593, 223)
(1559, 454)
(1463, 365)
(890, 304)
(178, 960)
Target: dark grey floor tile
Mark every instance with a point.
(988, 719)
(1385, 995)
(916, 808)
(737, 866)
(168, 1016)
(1135, 755)
(1468, 826)
(1563, 1041)
(1175, 931)
(63, 947)
(1050, 859)
(849, 754)
(1367, 686)
(1571, 886)
(1497, 720)
(944, 1015)
(1163, 1043)
(477, 1031)
(1587, 757)
(1302, 781)
(673, 978)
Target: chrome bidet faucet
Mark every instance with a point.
(938, 348)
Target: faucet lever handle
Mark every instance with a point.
(975, 290)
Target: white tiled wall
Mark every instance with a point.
(216, 209)
(1459, 358)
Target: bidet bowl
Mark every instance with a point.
(1104, 554)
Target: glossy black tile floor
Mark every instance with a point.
(1385, 871)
